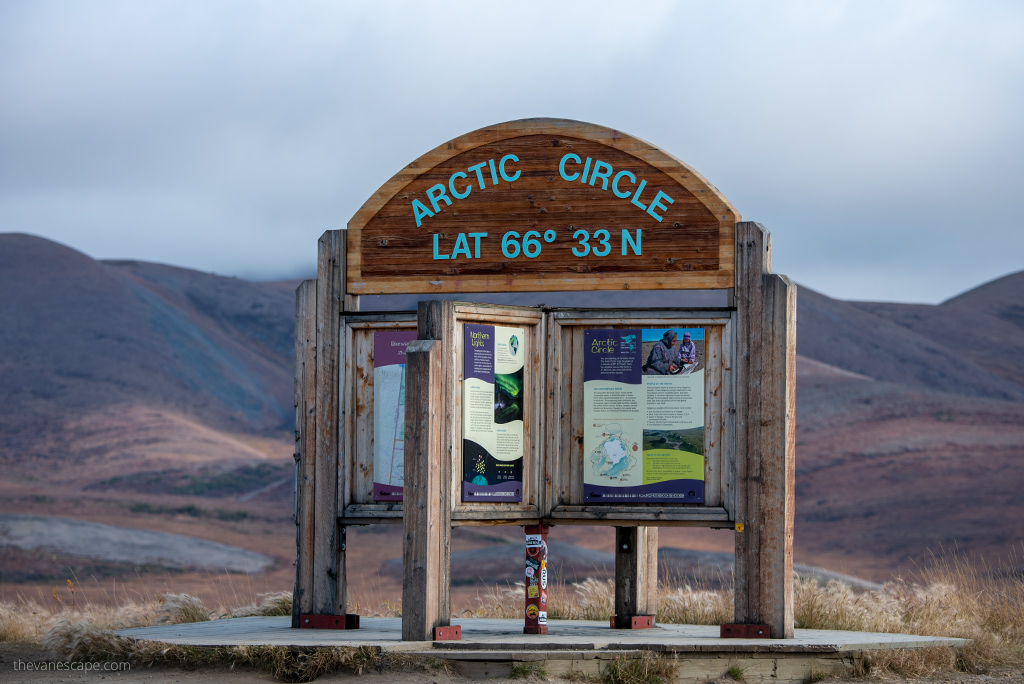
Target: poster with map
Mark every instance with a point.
(492, 413)
(389, 412)
(643, 409)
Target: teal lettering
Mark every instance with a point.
(586, 170)
(420, 212)
(584, 247)
(603, 175)
(561, 167)
(479, 174)
(437, 190)
(501, 168)
(436, 254)
(494, 172)
(461, 247)
(656, 204)
(626, 237)
(636, 195)
(615, 183)
(476, 245)
(451, 186)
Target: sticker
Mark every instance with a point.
(543, 599)
(533, 565)
(533, 581)
(532, 592)
(531, 612)
(529, 571)
(543, 618)
(533, 540)
(544, 577)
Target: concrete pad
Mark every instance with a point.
(489, 647)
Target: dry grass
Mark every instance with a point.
(177, 609)
(278, 603)
(953, 597)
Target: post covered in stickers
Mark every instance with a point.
(536, 579)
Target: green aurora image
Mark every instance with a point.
(508, 397)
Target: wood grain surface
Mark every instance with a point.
(691, 247)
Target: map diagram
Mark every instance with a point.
(615, 456)
(389, 428)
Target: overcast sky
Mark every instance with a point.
(880, 142)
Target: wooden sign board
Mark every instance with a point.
(546, 205)
(542, 205)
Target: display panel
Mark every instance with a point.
(643, 401)
(389, 412)
(492, 413)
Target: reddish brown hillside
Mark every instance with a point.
(78, 335)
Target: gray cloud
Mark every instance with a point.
(879, 141)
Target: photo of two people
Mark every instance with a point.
(673, 351)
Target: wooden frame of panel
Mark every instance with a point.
(355, 448)
(529, 510)
(565, 438)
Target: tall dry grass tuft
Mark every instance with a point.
(29, 621)
(275, 604)
(176, 609)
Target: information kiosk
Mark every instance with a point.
(485, 414)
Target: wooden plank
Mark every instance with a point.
(576, 457)
(778, 462)
(328, 558)
(713, 418)
(550, 462)
(363, 425)
(564, 485)
(436, 321)
(458, 370)
(641, 317)
(305, 445)
(426, 519)
(652, 515)
(729, 423)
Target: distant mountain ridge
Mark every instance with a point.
(78, 334)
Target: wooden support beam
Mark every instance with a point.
(436, 321)
(426, 520)
(329, 589)
(636, 573)
(305, 446)
(765, 424)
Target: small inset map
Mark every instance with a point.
(615, 456)
(629, 342)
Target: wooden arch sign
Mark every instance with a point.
(542, 205)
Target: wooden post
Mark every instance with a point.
(765, 428)
(329, 589)
(426, 521)
(636, 577)
(436, 321)
(305, 445)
